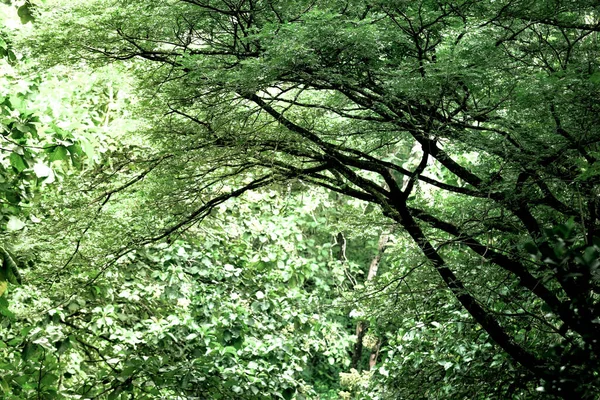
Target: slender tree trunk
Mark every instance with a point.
(383, 240)
(363, 326)
(361, 330)
(375, 354)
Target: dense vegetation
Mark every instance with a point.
(299, 199)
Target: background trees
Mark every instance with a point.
(466, 128)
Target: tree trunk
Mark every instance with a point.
(375, 354)
(363, 326)
(361, 330)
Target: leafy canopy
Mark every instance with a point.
(471, 125)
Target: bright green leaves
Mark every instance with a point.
(24, 152)
(368, 85)
(52, 125)
(215, 315)
(39, 143)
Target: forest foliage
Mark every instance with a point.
(257, 199)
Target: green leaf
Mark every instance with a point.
(63, 345)
(16, 101)
(288, 393)
(6, 312)
(24, 13)
(88, 149)
(13, 197)
(229, 350)
(76, 154)
(23, 128)
(595, 77)
(28, 351)
(238, 342)
(17, 161)
(49, 379)
(17, 134)
(115, 394)
(75, 149)
(60, 153)
(590, 255)
(12, 57)
(4, 385)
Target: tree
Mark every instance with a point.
(498, 99)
